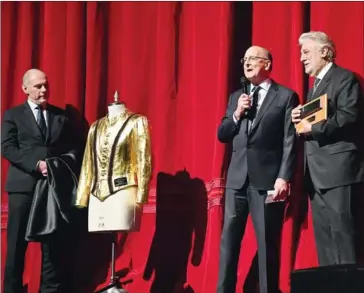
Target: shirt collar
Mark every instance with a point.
(324, 70)
(33, 105)
(265, 85)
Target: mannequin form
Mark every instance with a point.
(116, 170)
(117, 107)
(115, 175)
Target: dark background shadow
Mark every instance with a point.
(181, 220)
(358, 201)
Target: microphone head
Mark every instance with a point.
(244, 80)
(244, 84)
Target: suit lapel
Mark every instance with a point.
(324, 83)
(30, 121)
(321, 88)
(272, 92)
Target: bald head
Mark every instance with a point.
(259, 51)
(257, 64)
(35, 86)
(31, 74)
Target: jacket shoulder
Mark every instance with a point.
(284, 90)
(286, 94)
(56, 110)
(15, 110)
(139, 119)
(340, 73)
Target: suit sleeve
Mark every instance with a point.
(228, 128)
(289, 141)
(144, 158)
(346, 114)
(22, 158)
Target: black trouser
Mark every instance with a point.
(267, 220)
(333, 224)
(18, 213)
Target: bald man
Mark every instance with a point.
(32, 132)
(258, 125)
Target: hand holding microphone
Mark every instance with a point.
(244, 101)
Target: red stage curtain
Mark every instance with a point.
(176, 63)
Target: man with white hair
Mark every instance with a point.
(334, 169)
(31, 133)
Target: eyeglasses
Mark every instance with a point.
(251, 58)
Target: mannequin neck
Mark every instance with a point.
(116, 110)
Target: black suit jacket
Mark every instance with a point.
(23, 145)
(268, 151)
(334, 152)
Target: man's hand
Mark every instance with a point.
(296, 114)
(281, 189)
(307, 127)
(244, 103)
(42, 168)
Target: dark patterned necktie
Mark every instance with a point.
(41, 121)
(315, 85)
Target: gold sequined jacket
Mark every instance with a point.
(117, 156)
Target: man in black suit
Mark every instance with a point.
(32, 132)
(334, 169)
(263, 158)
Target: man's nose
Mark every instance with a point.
(43, 89)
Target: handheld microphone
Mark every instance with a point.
(244, 84)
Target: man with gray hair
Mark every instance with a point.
(334, 166)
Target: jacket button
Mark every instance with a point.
(248, 146)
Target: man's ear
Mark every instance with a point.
(25, 89)
(324, 52)
(268, 65)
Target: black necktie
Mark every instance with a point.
(253, 110)
(255, 98)
(41, 121)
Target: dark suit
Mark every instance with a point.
(334, 165)
(258, 158)
(23, 145)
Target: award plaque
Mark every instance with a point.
(314, 111)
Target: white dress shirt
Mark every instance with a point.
(323, 72)
(264, 87)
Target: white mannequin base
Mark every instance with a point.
(116, 213)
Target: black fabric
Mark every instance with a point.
(53, 200)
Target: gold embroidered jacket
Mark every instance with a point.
(117, 156)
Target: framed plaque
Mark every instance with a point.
(314, 111)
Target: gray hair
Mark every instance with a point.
(322, 40)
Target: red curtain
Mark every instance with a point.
(176, 63)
